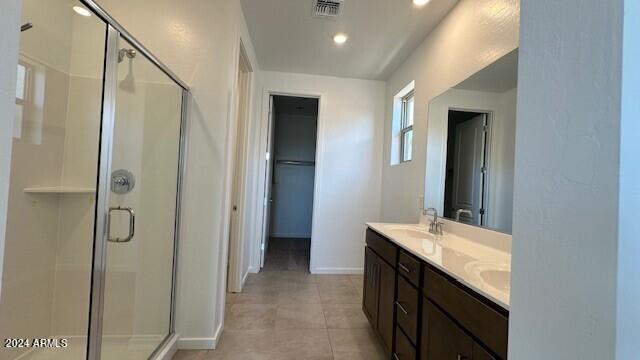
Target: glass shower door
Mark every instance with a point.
(46, 284)
(142, 208)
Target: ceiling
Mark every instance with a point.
(382, 34)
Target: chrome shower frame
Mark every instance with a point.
(115, 31)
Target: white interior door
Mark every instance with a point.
(236, 242)
(467, 171)
(267, 184)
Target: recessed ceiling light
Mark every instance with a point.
(420, 2)
(340, 38)
(81, 11)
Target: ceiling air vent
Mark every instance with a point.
(327, 8)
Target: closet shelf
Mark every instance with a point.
(59, 190)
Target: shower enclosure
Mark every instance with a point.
(94, 198)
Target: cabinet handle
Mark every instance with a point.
(402, 308)
(404, 267)
(462, 357)
(395, 356)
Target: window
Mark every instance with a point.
(21, 98)
(406, 127)
(402, 125)
(30, 86)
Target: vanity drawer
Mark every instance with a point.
(407, 309)
(485, 323)
(409, 267)
(383, 247)
(404, 350)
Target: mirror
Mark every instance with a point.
(470, 148)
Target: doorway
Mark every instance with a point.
(290, 183)
(465, 196)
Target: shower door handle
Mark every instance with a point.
(132, 225)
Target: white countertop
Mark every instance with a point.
(484, 269)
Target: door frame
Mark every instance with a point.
(115, 31)
(267, 94)
(267, 203)
(237, 238)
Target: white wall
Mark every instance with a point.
(565, 230)
(10, 28)
(200, 43)
(473, 35)
(348, 166)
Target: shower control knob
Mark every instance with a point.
(122, 181)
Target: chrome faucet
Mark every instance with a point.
(435, 227)
(463, 211)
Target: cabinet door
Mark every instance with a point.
(370, 291)
(404, 349)
(386, 301)
(407, 309)
(479, 353)
(442, 339)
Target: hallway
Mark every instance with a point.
(295, 315)
(287, 254)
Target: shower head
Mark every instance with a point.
(130, 53)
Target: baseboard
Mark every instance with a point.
(291, 236)
(338, 271)
(244, 278)
(186, 343)
(169, 349)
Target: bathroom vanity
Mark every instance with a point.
(435, 297)
(440, 291)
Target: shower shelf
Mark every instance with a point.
(59, 190)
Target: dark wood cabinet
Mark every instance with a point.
(442, 339)
(387, 285)
(407, 307)
(488, 323)
(479, 353)
(404, 349)
(409, 267)
(419, 312)
(379, 288)
(370, 291)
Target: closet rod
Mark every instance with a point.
(296, 162)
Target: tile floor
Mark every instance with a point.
(295, 315)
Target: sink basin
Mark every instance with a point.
(498, 279)
(409, 231)
(495, 276)
(415, 233)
